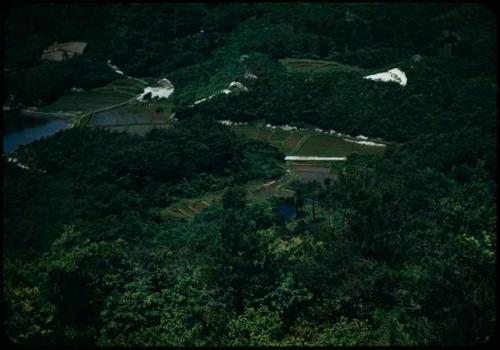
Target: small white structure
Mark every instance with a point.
(314, 158)
(395, 75)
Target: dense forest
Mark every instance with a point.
(409, 255)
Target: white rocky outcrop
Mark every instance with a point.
(164, 91)
(367, 143)
(395, 75)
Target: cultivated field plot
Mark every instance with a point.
(284, 140)
(310, 171)
(307, 142)
(135, 118)
(308, 66)
(118, 91)
(264, 134)
(333, 146)
(249, 132)
(187, 208)
(279, 135)
(132, 114)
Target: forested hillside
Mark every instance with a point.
(403, 253)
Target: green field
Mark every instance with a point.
(284, 140)
(333, 146)
(116, 92)
(308, 66)
(135, 117)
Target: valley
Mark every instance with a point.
(249, 174)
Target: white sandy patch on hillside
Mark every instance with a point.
(159, 92)
(21, 165)
(119, 71)
(282, 127)
(237, 85)
(17, 162)
(396, 75)
(233, 86)
(367, 143)
(269, 183)
(230, 122)
(200, 101)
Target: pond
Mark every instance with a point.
(287, 211)
(20, 130)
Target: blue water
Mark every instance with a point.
(287, 211)
(19, 130)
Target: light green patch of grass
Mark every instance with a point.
(264, 134)
(86, 101)
(308, 66)
(279, 135)
(249, 132)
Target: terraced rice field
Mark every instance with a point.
(187, 208)
(307, 142)
(135, 118)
